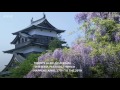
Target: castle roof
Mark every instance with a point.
(40, 23)
(24, 46)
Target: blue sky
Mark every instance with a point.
(14, 21)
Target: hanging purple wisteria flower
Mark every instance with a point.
(57, 53)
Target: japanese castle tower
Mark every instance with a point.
(33, 39)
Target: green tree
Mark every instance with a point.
(102, 35)
(55, 43)
(22, 69)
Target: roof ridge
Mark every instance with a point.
(37, 20)
(44, 17)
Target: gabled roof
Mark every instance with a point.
(25, 30)
(20, 34)
(16, 38)
(24, 35)
(19, 58)
(40, 23)
(46, 24)
(12, 59)
(30, 44)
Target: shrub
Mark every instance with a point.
(23, 68)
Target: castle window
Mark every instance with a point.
(22, 40)
(25, 39)
(18, 41)
(28, 39)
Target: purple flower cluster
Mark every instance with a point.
(79, 56)
(117, 37)
(32, 74)
(57, 53)
(81, 16)
(44, 57)
(86, 16)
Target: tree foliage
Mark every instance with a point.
(55, 43)
(23, 68)
(103, 37)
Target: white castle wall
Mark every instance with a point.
(43, 32)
